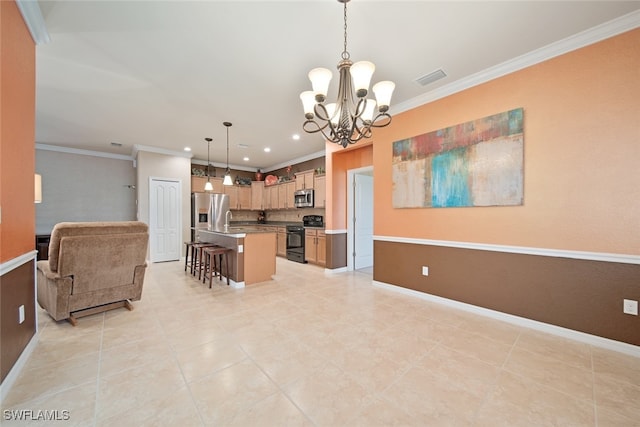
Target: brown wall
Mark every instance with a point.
(577, 294)
(17, 160)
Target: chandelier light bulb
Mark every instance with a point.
(383, 91)
(320, 78)
(308, 99)
(361, 73)
(369, 109)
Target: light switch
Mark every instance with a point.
(21, 314)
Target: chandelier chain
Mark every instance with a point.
(345, 54)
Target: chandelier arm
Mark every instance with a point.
(381, 120)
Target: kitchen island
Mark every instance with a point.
(253, 256)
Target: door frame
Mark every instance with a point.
(351, 173)
(152, 236)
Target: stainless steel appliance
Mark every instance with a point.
(295, 243)
(303, 198)
(208, 211)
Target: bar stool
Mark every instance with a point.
(211, 264)
(188, 247)
(196, 257)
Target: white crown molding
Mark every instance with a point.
(590, 256)
(32, 16)
(150, 149)
(81, 152)
(594, 340)
(224, 165)
(338, 231)
(598, 33)
(311, 156)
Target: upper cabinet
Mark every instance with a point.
(257, 195)
(198, 183)
(304, 180)
(320, 191)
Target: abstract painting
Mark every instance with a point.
(477, 163)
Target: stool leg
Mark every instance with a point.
(226, 267)
(207, 265)
(186, 257)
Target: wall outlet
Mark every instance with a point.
(21, 314)
(425, 270)
(630, 307)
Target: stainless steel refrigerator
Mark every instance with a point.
(208, 211)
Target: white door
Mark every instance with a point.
(164, 220)
(362, 221)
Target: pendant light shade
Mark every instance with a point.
(227, 175)
(208, 186)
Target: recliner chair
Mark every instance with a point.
(92, 267)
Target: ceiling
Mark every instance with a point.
(166, 74)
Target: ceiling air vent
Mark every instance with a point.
(431, 77)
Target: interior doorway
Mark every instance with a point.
(164, 219)
(360, 219)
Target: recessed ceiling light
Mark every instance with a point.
(246, 159)
(187, 148)
(116, 144)
(296, 137)
(243, 146)
(267, 150)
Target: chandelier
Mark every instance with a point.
(349, 119)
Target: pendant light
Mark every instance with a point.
(227, 175)
(208, 186)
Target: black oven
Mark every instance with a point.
(295, 243)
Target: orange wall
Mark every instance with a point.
(17, 135)
(338, 162)
(582, 155)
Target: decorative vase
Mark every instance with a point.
(258, 175)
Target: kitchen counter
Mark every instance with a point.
(253, 256)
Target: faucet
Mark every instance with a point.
(227, 217)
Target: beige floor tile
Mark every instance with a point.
(222, 396)
(549, 371)
(134, 354)
(562, 349)
(432, 400)
(617, 396)
(41, 380)
(135, 387)
(71, 407)
(382, 413)
(205, 359)
(313, 349)
(174, 409)
(328, 397)
(483, 348)
(464, 371)
(517, 401)
(288, 361)
(275, 410)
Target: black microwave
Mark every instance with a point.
(303, 198)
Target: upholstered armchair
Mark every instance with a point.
(92, 267)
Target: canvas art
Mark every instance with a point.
(478, 163)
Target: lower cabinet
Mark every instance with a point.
(315, 246)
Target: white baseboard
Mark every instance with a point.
(331, 271)
(594, 340)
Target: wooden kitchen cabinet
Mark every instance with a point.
(198, 183)
(320, 191)
(315, 246)
(285, 195)
(239, 197)
(257, 195)
(304, 180)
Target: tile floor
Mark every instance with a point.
(309, 349)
